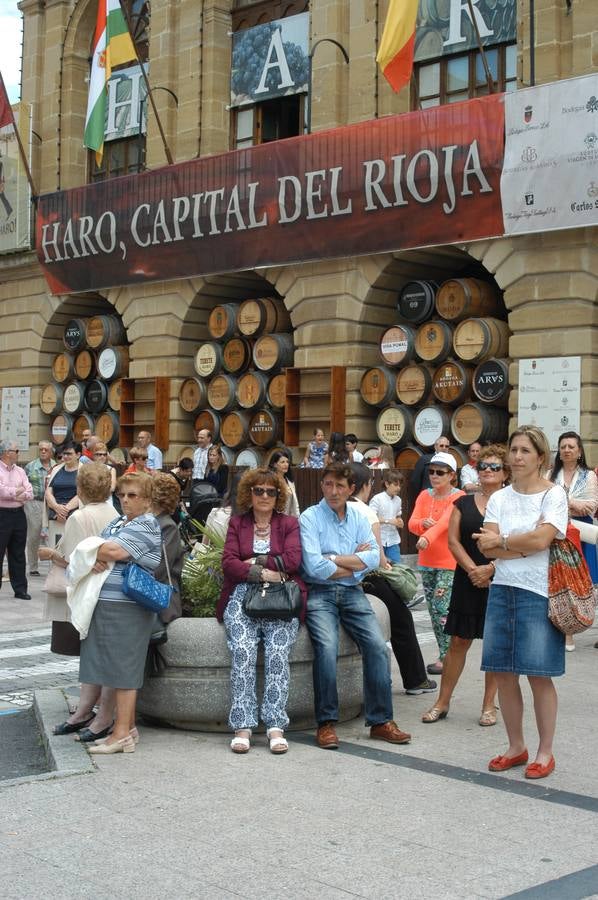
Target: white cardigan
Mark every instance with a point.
(84, 586)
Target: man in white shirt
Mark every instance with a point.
(154, 454)
(351, 446)
(470, 480)
(388, 507)
(200, 457)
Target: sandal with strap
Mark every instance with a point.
(278, 743)
(488, 717)
(434, 715)
(240, 744)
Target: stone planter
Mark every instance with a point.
(193, 690)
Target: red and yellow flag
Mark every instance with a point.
(6, 116)
(395, 56)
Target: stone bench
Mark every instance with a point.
(193, 690)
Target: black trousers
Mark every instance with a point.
(13, 538)
(403, 638)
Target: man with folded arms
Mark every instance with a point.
(339, 549)
(15, 491)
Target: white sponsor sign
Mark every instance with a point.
(550, 173)
(15, 193)
(549, 395)
(15, 416)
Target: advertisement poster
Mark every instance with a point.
(270, 60)
(14, 425)
(550, 172)
(126, 109)
(445, 27)
(15, 193)
(550, 395)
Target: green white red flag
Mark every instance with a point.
(112, 46)
(395, 56)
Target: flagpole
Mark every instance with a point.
(148, 88)
(25, 163)
(474, 22)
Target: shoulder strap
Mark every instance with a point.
(165, 555)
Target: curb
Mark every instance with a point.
(65, 756)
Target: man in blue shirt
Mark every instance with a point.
(339, 549)
(154, 454)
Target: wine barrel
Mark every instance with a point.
(50, 398)
(107, 428)
(74, 398)
(431, 422)
(113, 362)
(459, 454)
(451, 382)
(378, 386)
(104, 330)
(462, 298)
(416, 301)
(210, 420)
(250, 457)
(252, 390)
(193, 394)
(83, 422)
(63, 367)
(234, 429)
(208, 359)
(476, 340)
(414, 384)
(221, 392)
(491, 382)
(61, 429)
(434, 341)
(273, 351)
(114, 394)
(262, 316)
(237, 355)
(222, 321)
(397, 345)
(96, 396)
(408, 457)
(479, 422)
(264, 428)
(85, 365)
(277, 391)
(394, 425)
(74, 336)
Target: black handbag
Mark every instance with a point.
(273, 600)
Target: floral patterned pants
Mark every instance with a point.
(438, 585)
(243, 636)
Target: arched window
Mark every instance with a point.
(124, 141)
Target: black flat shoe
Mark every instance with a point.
(86, 736)
(22, 596)
(67, 728)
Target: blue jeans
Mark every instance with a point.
(393, 553)
(329, 607)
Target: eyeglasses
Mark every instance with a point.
(100, 453)
(260, 491)
(492, 467)
(130, 495)
(135, 458)
(439, 471)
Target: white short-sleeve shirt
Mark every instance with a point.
(516, 513)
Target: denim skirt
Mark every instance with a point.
(518, 635)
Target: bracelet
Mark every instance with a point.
(504, 538)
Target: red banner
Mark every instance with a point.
(414, 180)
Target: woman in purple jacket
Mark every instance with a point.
(259, 533)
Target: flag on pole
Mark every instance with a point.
(395, 56)
(6, 116)
(112, 46)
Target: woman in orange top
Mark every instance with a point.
(138, 462)
(429, 520)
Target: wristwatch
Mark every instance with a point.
(332, 557)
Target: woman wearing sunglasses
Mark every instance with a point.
(469, 595)
(429, 521)
(255, 536)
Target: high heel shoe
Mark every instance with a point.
(434, 714)
(133, 733)
(124, 745)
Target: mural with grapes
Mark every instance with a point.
(254, 48)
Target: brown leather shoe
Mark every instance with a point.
(390, 732)
(326, 737)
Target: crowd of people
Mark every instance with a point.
(482, 542)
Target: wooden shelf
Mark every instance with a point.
(336, 379)
(130, 422)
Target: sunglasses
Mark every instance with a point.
(491, 467)
(100, 453)
(260, 491)
(439, 471)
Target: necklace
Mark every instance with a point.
(261, 530)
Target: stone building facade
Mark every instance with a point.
(549, 280)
